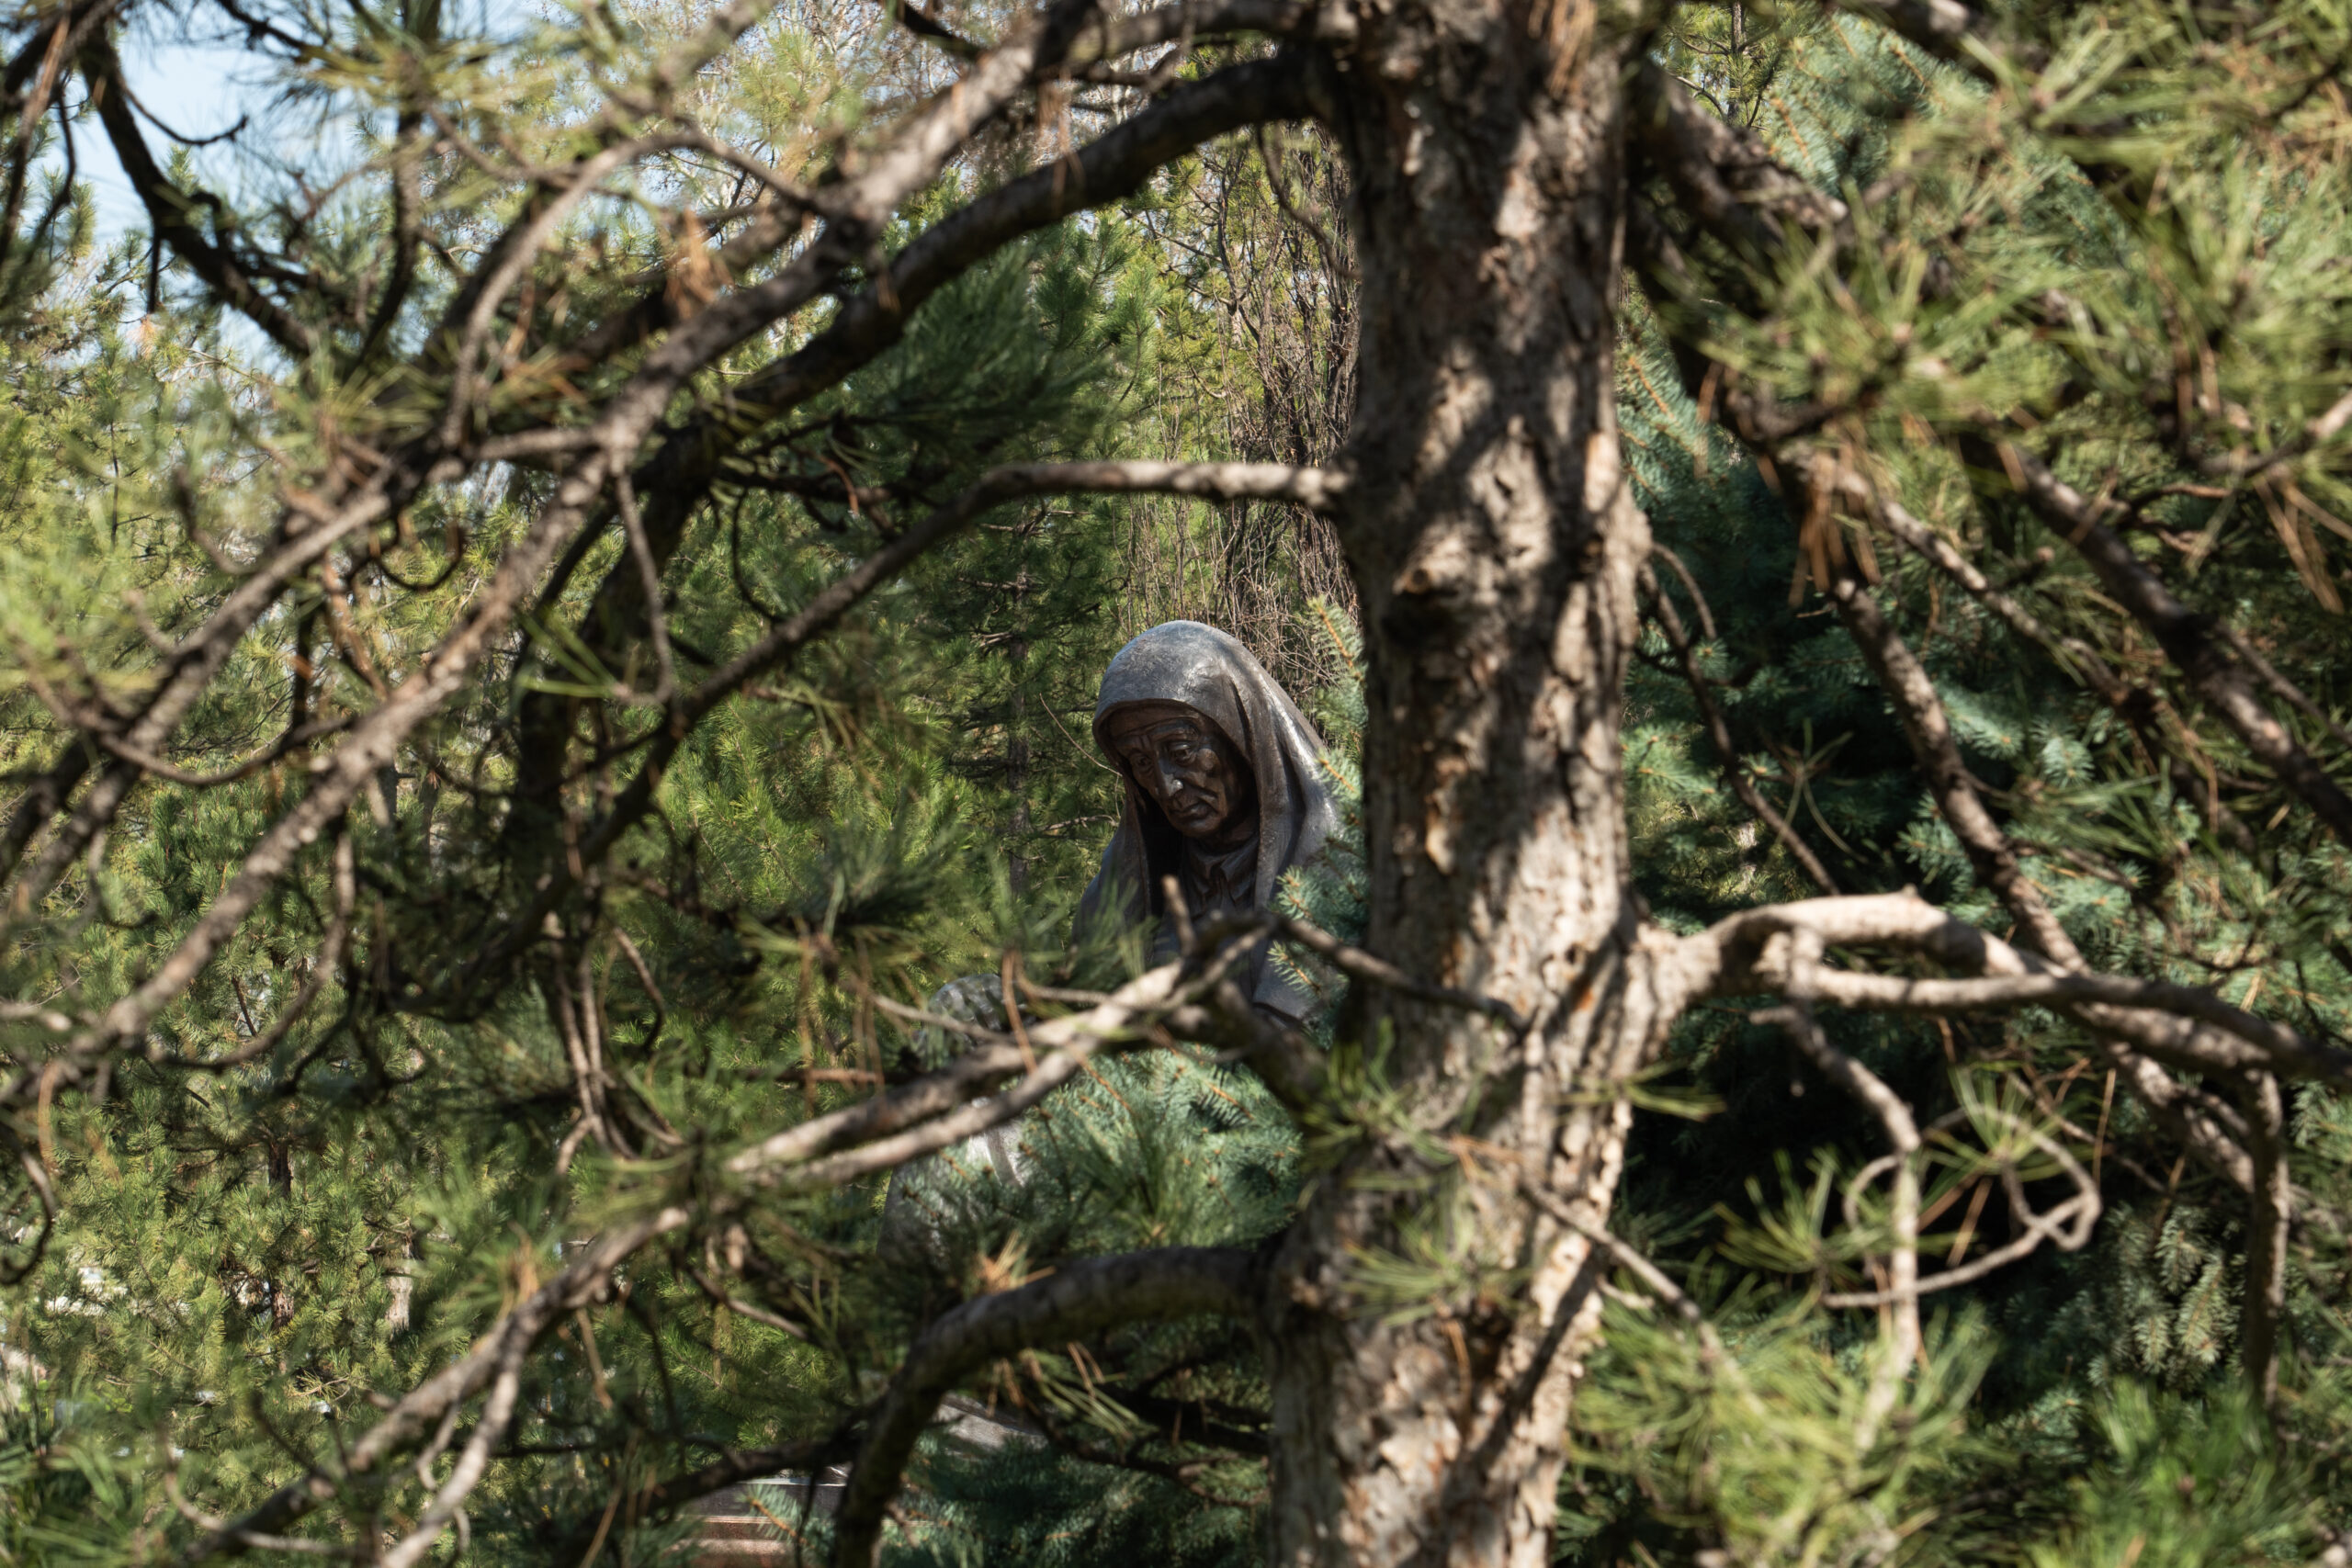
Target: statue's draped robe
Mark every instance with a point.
(1202, 669)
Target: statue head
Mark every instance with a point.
(1187, 767)
(1213, 754)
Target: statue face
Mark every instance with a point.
(1187, 768)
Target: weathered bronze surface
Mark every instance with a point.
(1226, 790)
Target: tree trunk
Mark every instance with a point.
(1495, 551)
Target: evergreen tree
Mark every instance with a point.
(540, 635)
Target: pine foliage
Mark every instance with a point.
(251, 1251)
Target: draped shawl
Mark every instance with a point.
(1202, 669)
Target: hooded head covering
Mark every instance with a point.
(1204, 669)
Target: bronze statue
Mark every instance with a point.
(1226, 790)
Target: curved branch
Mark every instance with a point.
(732, 1468)
(168, 207)
(299, 735)
(1747, 952)
(1075, 1300)
(2265, 1044)
(2068, 1225)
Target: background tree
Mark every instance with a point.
(574, 612)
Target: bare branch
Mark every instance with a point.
(2266, 1043)
(2068, 1225)
(1111, 36)
(2281, 687)
(1903, 1255)
(1363, 966)
(1074, 1302)
(1111, 168)
(942, 1108)
(2264, 1313)
(1745, 952)
(731, 1469)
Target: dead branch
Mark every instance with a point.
(2067, 1227)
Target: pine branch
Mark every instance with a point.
(936, 1111)
(2198, 649)
(1074, 1302)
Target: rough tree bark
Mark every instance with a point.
(1495, 551)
